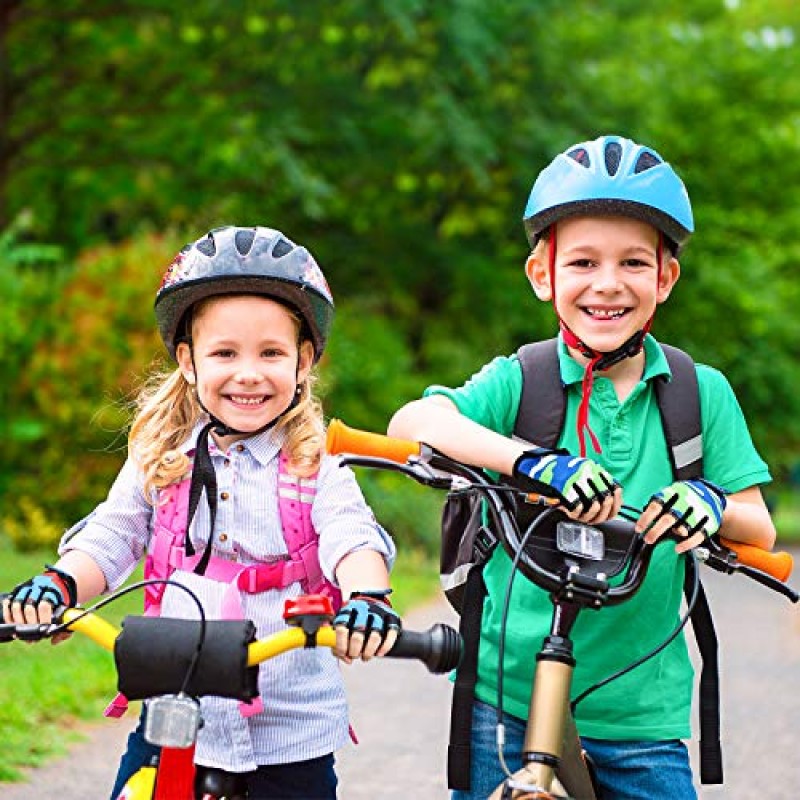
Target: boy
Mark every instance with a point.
(606, 221)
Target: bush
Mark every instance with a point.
(79, 380)
(30, 529)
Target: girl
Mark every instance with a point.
(245, 313)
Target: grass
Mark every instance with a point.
(44, 689)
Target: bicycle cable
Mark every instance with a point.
(501, 645)
(201, 638)
(656, 650)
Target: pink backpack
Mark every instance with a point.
(167, 553)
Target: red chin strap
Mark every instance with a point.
(597, 361)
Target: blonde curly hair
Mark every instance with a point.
(167, 411)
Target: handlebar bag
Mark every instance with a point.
(154, 655)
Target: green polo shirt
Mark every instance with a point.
(653, 701)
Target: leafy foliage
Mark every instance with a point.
(398, 140)
(80, 379)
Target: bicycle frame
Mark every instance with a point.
(553, 763)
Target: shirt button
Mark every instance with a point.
(240, 448)
(224, 495)
(223, 537)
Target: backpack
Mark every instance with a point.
(167, 552)
(468, 540)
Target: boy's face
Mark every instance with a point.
(607, 284)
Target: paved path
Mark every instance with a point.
(400, 713)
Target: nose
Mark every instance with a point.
(607, 279)
(248, 374)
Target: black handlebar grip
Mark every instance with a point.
(439, 648)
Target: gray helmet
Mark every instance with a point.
(234, 260)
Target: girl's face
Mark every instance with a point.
(606, 277)
(247, 360)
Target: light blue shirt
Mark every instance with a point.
(305, 712)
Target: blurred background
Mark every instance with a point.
(398, 141)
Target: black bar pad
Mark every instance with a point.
(153, 655)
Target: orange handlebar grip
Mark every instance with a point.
(779, 565)
(343, 439)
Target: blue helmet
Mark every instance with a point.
(610, 175)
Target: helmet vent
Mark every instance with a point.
(244, 240)
(580, 155)
(646, 161)
(208, 246)
(613, 155)
(282, 247)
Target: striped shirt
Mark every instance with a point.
(305, 712)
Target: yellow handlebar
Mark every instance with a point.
(105, 634)
(283, 641)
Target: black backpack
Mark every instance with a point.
(468, 540)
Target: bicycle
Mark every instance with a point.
(172, 662)
(574, 563)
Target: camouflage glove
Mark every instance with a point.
(570, 479)
(696, 504)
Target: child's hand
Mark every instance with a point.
(689, 509)
(366, 626)
(582, 486)
(35, 600)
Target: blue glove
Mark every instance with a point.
(368, 612)
(697, 504)
(573, 480)
(56, 587)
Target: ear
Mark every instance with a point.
(670, 272)
(305, 360)
(183, 355)
(538, 271)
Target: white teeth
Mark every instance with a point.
(606, 313)
(247, 401)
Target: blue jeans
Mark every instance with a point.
(139, 754)
(624, 770)
(302, 780)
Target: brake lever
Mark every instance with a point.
(725, 561)
(415, 468)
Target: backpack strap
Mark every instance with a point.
(540, 418)
(295, 499)
(459, 748)
(679, 404)
(543, 403)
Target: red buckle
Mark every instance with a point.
(259, 577)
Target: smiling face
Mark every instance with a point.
(607, 282)
(247, 361)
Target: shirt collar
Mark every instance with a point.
(264, 446)
(655, 362)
